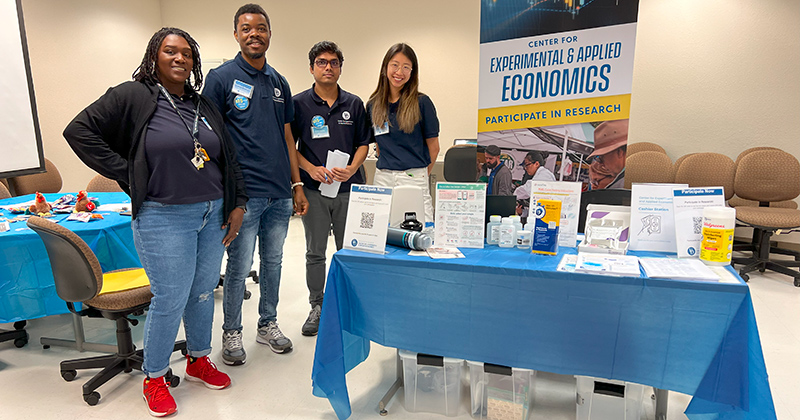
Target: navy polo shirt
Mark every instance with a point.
(347, 124)
(169, 149)
(256, 124)
(400, 150)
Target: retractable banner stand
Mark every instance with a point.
(551, 73)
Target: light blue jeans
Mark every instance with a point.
(181, 250)
(268, 220)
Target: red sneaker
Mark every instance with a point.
(159, 401)
(205, 371)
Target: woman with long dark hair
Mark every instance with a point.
(168, 148)
(405, 124)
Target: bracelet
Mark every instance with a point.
(297, 184)
(243, 207)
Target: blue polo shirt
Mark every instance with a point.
(347, 125)
(399, 150)
(256, 124)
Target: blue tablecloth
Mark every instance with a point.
(27, 290)
(513, 308)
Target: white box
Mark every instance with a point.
(606, 399)
(432, 383)
(500, 392)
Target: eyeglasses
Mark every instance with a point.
(322, 63)
(396, 66)
(525, 164)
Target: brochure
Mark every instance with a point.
(460, 214)
(569, 193)
(677, 268)
(653, 217)
(689, 204)
(607, 264)
(367, 218)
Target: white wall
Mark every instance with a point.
(708, 76)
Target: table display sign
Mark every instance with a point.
(367, 218)
(689, 204)
(460, 214)
(569, 193)
(653, 217)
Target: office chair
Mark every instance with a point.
(47, 182)
(102, 184)
(78, 278)
(460, 163)
(4, 192)
(612, 196)
(18, 334)
(766, 176)
(644, 146)
(648, 167)
(736, 201)
(707, 170)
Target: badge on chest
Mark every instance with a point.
(319, 130)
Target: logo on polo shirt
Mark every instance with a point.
(277, 97)
(277, 93)
(346, 115)
(241, 102)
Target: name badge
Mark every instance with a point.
(242, 88)
(384, 129)
(320, 133)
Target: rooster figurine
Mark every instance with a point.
(40, 205)
(83, 203)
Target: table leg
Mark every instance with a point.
(79, 343)
(393, 389)
(662, 398)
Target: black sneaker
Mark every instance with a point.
(311, 325)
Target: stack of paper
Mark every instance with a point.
(607, 264)
(677, 268)
(336, 159)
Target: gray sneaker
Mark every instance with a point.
(311, 325)
(272, 336)
(232, 350)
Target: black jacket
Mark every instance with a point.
(108, 137)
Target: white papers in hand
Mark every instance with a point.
(336, 159)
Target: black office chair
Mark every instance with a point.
(78, 278)
(460, 163)
(612, 196)
(18, 334)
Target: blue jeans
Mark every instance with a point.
(268, 220)
(181, 250)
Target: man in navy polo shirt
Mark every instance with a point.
(327, 119)
(257, 105)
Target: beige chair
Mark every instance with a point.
(4, 193)
(102, 184)
(47, 182)
(648, 167)
(644, 147)
(768, 176)
(741, 202)
(707, 170)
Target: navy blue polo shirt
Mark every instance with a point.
(399, 150)
(256, 124)
(348, 128)
(169, 149)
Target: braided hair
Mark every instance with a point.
(147, 69)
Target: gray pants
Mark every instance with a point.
(323, 212)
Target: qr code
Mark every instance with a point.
(367, 220)
(697, 223)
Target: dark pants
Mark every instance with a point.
(323, 212)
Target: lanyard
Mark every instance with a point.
(200, 154)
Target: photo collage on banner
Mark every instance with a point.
(555, 89)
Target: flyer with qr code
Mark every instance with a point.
(367, 218)
(689, 204)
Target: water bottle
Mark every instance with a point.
(517, 223)
(508, 233)
(493, 230)
(408, 239)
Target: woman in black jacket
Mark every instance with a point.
(167, 146)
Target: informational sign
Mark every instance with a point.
(569, 193)
(689, 204)
(550, 73)
(460, 214)
(367, 218)
(653, 217)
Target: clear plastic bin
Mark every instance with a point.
(606, 399)
(432, 383)
(500, 392)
